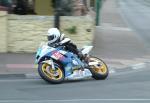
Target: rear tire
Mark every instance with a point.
(47, 73)
(99, 72)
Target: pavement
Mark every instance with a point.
(115, 43)
(137, 13)
(17, 65)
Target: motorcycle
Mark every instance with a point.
(56, 65)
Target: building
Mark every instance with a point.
(47, 7)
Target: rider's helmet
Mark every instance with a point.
(53, 35)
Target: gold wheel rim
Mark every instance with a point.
(101, 68)
(47, 70)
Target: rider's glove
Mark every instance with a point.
(81, 56)
(57, 44)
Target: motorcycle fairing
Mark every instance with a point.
(67, 59)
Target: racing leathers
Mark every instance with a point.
(69, 46)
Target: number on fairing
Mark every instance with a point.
(57, 55)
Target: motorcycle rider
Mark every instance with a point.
(55, 38)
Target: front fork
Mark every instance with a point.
(50, 62)
(68, 67)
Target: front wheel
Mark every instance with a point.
(49, 75)
(99, 71)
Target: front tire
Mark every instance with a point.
(100, 71)
(49, 75)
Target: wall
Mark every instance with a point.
(25, 33)
(3, 31)
(85, 28)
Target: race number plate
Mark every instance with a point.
(57, 55)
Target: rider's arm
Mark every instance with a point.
(65, 41)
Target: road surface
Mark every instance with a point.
(121, 87)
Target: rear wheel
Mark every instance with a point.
(100, 70)
(50, 75)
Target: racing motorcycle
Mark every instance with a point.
(55, 64)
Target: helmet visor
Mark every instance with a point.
(51, 37)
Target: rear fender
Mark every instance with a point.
(86, 49)
(93, 63)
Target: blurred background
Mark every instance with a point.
(47, 7)
(24, 23)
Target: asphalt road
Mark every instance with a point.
(137, 14)
(121, 87)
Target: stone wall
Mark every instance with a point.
(26, 32)
(3, 31)
(84, 26)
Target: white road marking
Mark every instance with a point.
(68, 100)
(139, 66)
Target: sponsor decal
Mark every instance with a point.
(57, 55)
